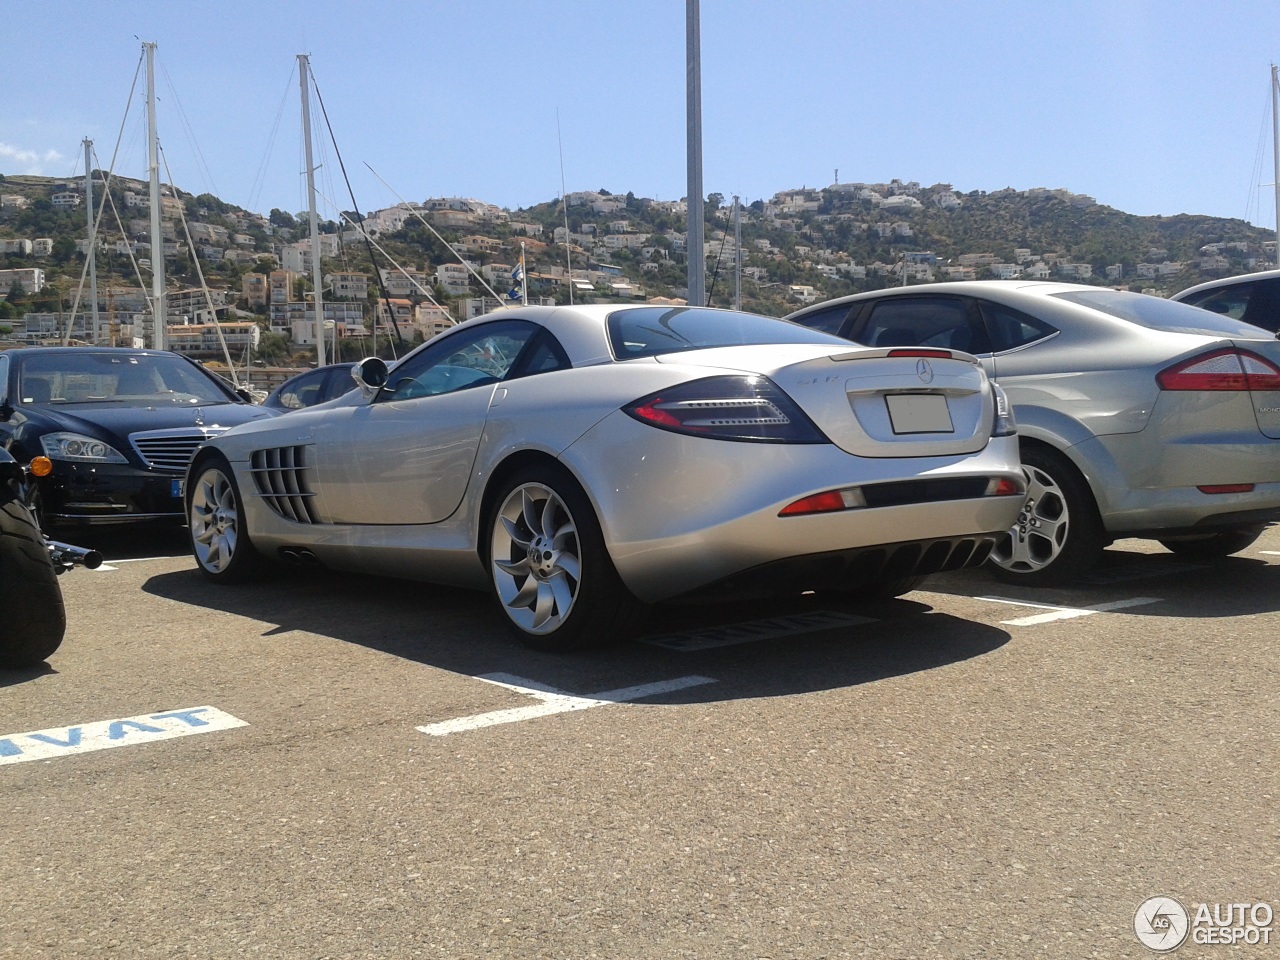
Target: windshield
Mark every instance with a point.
(118, 378)
(1156, 313)
(649, 331)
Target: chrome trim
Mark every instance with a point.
(170, 451)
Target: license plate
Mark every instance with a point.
(919, 413)
(176, 488)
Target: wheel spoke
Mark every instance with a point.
(513, 531)
(528, 508)
(545, 605)
(563, 594)
(514, 567)
(569, 564)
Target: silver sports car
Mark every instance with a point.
(1139, 417)
(584, 462)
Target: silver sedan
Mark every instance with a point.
(585, 462)
(1138, 417)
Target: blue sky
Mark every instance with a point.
(1151, 106)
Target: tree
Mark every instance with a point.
(280, 218)
(273, 346)
(714, 202)
(64, 249)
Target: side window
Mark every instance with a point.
(305, 391)
(924, 322)
(339, 382)
(472, 357)
(1264, 306)
(828, 320)
(543, 355)
(4, 378)
(1011, 328)
(1230, 301)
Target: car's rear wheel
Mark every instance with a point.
(30, 599)
(550, 568)
(1059, 534)
(1223, 543)
(215, 519)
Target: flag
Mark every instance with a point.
(517, 275)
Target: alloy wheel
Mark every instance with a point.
(536, 558)
(1040, 533)
(214, 518)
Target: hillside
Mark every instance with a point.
(798, 246)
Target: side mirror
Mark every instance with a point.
(370, 374)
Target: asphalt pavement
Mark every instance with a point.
(324, 765)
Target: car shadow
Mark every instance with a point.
(1234, 586)
(465, 633)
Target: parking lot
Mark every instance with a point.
(321, 765)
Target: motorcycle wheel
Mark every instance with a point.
(34, 620)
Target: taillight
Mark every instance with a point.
(750, 408)
(1227, 369)
(1004, 424)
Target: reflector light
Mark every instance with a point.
(1227, 369)
(935, 354)
(1226, 488)
(40, 466)
(1005, 487)
(829, 501)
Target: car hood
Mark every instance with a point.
(122, 421)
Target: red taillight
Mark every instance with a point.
(827, 502)
(1227, 369)
(1226, 488)
(932, 354)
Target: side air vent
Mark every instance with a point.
(280, 475)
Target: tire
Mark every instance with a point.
(549, 568)
(1058, 535)
(1212, 546)
(216, 524)
(34, 620)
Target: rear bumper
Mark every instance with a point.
(1148, 485)
(861, 566)
(678, 516)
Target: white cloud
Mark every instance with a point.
(31, 161)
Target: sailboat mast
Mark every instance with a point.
(159, 313)
(92, 334)
(1275, 147)
(737, 254)
(304, 64)
(694, 247)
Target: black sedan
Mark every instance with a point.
(119, 425)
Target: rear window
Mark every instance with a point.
(649, 331)
(1156, 313)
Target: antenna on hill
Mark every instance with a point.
(564, 201)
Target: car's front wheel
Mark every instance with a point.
(1214, 545)
(549, 566)
(215, 519)
(1058, 534)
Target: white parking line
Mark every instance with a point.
(553, 701)
(1270, 553)
(106, 565)
(104, 734)
(1065, 613)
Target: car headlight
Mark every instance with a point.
(79, 448)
